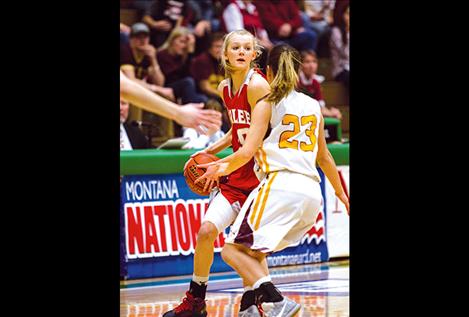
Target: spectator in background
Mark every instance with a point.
(175, 58)
(309, 84)
(339, 46)
(165, 15)
(141, 6)
(208, 73)
(282, 21)
(338, 10)
(206, 69)
(201, 141)
(139, 62)
(317, 15)
(131, 137)
(206, 12)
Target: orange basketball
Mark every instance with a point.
(192, 172)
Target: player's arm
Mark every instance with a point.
(145, 99)
(327, 164)
(129, 72)
(216, 147)
(260, 118)
(220, 144)
(189, 115)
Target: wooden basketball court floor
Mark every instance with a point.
(322, 290)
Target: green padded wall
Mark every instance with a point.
(138, 162)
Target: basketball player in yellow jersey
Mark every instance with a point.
(190, 115)
(284, 206)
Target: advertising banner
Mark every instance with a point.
(160, 218)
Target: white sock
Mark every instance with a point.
(200, 279)
(261, 280)
(248, 288)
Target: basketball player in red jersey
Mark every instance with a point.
(241, 89)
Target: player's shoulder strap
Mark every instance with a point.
(221, 87)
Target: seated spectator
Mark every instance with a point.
(131, 137)
(200, 141)
(174, 57)
(139, 62)
(282, 21)
(338, 10)
(206, 69)
(209, 10)
(205, 21)
(309, 85)
(162, 16)
(165, 15)
(339, 47)
(317, 15)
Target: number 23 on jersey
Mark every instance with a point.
(295, 120)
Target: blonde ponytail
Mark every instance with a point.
(284, 61)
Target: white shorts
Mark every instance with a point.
(220, 212)
(277, 213)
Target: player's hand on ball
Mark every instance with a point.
(212, 174)
(193, 173)
(211, 180)
(195, 154)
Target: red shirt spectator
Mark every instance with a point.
(174, 67)
(309, 85)
(312, 86)
(275, 13)
(206, 67)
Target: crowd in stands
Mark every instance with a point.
(174, 49)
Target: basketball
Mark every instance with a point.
(192, 172)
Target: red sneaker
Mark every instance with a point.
(190, 307)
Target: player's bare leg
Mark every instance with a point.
(194, 302)
(204, 249)
(251, 266)
(265, 266)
